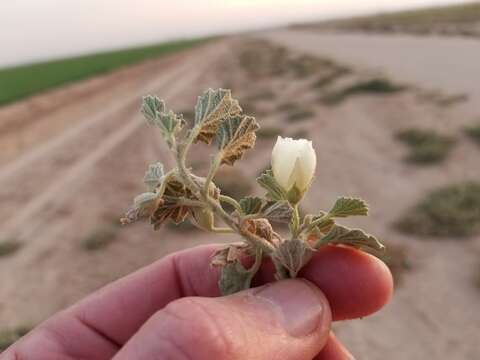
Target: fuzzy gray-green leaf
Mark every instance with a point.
(153, 176)
(235, 136)
(212, 108)
(151, 106)
(274, 190)
(351, 237)
(234, 278)
(278, 211)
(293, 254)
(348, 207)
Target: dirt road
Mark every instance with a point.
(446, 63)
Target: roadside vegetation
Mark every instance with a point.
(9, 336)
(22, 81)
(474, 132)
(375, 86)
(426, 146)
(100, 238)
(9, 247)
(396, 258)
(451, 211)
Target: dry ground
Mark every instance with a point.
(71, 160)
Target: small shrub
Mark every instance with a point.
(9, 247)
(474, 132)
(476, 278)
(331, 77)
(269, 132)
(452, 99)
(300, 115)
(100, 238)
(377, 86)
(396, 259)
(450, 211)
(426, 146)
(8, 337)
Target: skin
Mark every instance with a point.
(172, 310)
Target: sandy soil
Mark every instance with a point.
(72, 159)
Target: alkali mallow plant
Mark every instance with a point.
(177, 194)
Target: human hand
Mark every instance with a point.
(171, 310)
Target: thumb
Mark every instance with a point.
(288, 319)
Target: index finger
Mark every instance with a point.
(356, 284)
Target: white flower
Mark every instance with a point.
(293, 163)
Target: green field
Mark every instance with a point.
(416, 21)
(22, 81)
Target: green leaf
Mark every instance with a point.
(213, 108)
(278, 211)
(235, 136)
(153, 176)
(234, 278)
(151, 106)
(352, 237)
(348, 206)
(251, 205)
(274, 190)
(293, 254)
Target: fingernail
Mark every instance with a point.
(300, 307)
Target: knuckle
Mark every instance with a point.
(192, 331)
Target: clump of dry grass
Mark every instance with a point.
(397, 261)
(375, 86)
(9, 247)
(99, 238)
(451, 211)
(474, 132)
(426, 146)
(269, 132)
(9, 336)
(296, 112)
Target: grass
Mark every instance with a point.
(331, 77)
(451, 211)
(396, 258)
(376, 86)
(9, 247)
(22, 81)
(8, 337)
(426, 146)
(296, 112)
(474, 132)
(99, 238)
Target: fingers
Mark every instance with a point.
(356, 284)
(285, 320)
(334, 350)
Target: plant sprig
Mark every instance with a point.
(179, 194)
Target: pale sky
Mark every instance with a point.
(33, 30)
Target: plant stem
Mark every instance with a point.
(231, 201)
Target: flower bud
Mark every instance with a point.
(293, 166)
